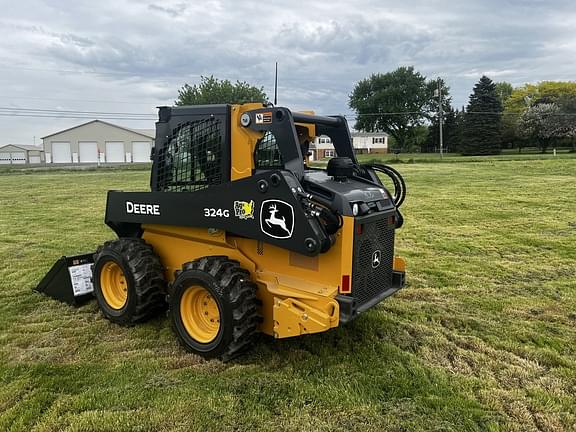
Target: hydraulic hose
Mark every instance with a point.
(397, 180)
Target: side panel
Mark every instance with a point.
(272, 214)
(297, 292)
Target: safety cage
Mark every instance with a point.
(267, 153)
(192, 148)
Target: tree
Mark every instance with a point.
(449, 132)
(528, 95)
(504, 91)
(396, 102)
(211, 90)
(544, 123)
(482, 122)
(546, 91)
(567, 105)
(432, 142)
(458, 130)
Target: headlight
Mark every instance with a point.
(355, 209)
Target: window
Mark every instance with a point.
(378, 140)
(324, 140)
(328, 153)
(192, 159)
(267, 153)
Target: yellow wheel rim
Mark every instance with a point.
(200, 314)
(113, 285)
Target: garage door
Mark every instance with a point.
(141, 151)
(88, 151)
(18, 157)
(35, 159)
(61, 152)
(115, 151)
(5, 158)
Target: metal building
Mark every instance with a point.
(19, 154)
(98, 142)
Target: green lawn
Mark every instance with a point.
(455, 157)
(482, 338)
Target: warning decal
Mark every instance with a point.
(264, 118)
(81, 278)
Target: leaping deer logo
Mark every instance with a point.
(277, 219)
(274, 220)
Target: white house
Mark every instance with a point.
(363, 142)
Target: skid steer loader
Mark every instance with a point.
(239, 235)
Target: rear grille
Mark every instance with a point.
(368, 280)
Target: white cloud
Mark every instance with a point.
(132, 55)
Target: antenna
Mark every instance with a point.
(276, 85)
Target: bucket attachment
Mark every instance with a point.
(69, 280)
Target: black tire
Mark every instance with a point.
(144, 279)
(235, 294)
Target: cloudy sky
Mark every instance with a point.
(129, 56)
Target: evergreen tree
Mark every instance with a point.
(451, 135)
(458, 130)
(482, 133)
(449, 132)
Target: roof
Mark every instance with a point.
(143, 132)
(148, 132)
(24, 147)
(369, 134)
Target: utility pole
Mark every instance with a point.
(276, 85)
(440, 117)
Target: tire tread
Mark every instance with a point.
(148, 275)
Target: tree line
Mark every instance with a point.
(410, 108)
(406, 105)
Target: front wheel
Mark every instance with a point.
(129, 282)
(215, 312)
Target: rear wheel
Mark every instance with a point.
(215, 312)
(128, 280)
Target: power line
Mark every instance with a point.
(75, 117)
(121, 115)
(70, 111)
(73, 114)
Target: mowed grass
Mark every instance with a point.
(483, 338)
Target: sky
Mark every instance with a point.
(130, 56)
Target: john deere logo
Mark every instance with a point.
(277, 219)
(376, 257)
(244, 209)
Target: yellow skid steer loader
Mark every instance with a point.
(239, 235)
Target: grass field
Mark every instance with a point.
(483, 338)
(458, 158)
